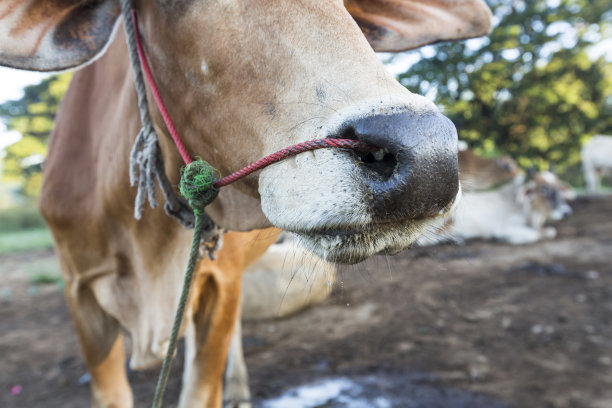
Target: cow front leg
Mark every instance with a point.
(236, 392)
(102, 345)
(215, 310)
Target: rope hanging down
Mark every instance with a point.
(146, 161)
(199, 182)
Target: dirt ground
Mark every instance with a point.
(478, 325)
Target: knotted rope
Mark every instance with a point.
(199, 183)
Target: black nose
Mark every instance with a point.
(414, 173)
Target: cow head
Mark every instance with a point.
(244, 78)
(547, 196)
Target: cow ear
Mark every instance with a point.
(43, 35)
(398, 25)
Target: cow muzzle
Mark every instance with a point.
(347, 205)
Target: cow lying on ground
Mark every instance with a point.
(286, 279)
(596, 161)
(513, 213)
(241, 79)
(500, 203)
(478, 173)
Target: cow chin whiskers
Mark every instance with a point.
(353, 246)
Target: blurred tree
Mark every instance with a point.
(530, 89)
(32, 116)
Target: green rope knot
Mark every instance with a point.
(197, 184)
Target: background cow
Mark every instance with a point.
(596, 160)
(499, 202)
(286, 279)
(515, 212)
(241, 79)
(478, 173)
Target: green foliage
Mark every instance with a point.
(530, 88)
(32, 116)
(42, 271)
(27, 240)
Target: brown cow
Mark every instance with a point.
(480, 173)
(241, 79)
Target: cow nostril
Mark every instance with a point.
(381, 162)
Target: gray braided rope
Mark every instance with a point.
(146, 161)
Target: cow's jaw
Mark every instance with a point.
(354, 245)
(337, 225)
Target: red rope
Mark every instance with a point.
(156, 95)
(259, 164)
(292, 151)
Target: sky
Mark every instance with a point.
(12, 82)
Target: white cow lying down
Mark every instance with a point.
(285, 280)
(513, 213)
(596, 160)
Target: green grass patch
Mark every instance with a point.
(46, 278)
(16, 219)
(27, 240)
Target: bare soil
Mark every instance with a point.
(479, 325)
